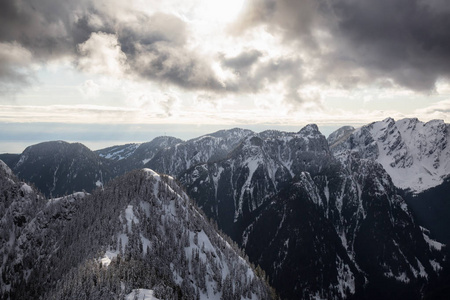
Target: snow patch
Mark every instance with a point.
(26, 188)
(120, 152)
(129, 215)
(145, 244)
(346, 279)
(422, 272)
(141, 294)
(70, 198)
(402, 277)
(151, 173)
(431, 243)
(108, 257)
(436, 266)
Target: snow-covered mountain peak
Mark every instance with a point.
(415, 154)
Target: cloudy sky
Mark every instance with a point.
(112, 71)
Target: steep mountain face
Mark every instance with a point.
(298, 246)
(232, 189)
(379, 233)
(335, 225)
(182, 156)
(60, 168)
(141, 235)
(135, 156)
(417, 157)
(341, 236)
(415, 154)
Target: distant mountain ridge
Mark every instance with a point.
(59, 168)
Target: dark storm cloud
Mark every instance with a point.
(407, 41)
(45, 27)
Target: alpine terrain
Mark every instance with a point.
(360, 215)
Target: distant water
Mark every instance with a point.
(19, 146)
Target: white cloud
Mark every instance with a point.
(101, 54)
(438, 110)
(90, 89)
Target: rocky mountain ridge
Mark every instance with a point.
(415, 154)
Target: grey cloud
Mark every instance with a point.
(14, 62)
(39, 31)
(407, 41)
(148, 30)
(295, 20)
(156, 49)
(167, 63)
(45, 27)
(154, 46)
(255, 74)
(242, 61)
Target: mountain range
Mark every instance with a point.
(362, 214)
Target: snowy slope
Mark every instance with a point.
(117, 153)
(415, 154)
